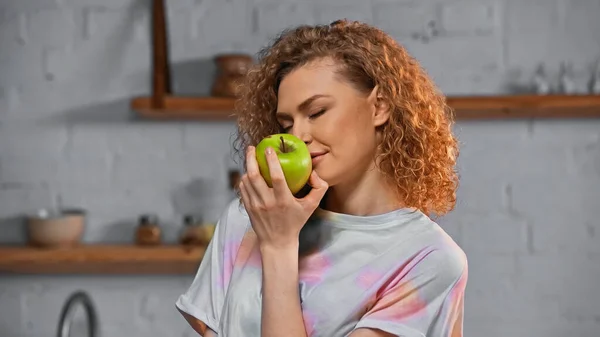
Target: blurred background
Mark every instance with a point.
(527, 214)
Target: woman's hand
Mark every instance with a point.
(277, 216)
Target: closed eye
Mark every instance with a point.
(317, 114)
(286, 129)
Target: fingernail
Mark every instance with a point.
(269, 150)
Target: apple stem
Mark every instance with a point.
(283, 149)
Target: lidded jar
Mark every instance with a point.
(148, 232)
(195, 232)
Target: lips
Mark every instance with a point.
(317, 157)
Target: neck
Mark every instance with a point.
(368, 194)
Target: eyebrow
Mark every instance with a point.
(302, 106)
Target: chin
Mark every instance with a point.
(329, 178)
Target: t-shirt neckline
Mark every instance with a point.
(376, 221)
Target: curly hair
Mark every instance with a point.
(417, 152)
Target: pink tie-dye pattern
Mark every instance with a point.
(401, 301)
(310, 321)
(249, 255)
(400, 304)
(458, 291)
(231, 248)
(367, 277)
(456, 299)
(255, 259)
(313, 268)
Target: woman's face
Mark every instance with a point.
(335, 120)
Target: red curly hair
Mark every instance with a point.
(418, 151)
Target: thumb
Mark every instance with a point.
(319, 187)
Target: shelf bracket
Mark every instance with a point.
(161, 75)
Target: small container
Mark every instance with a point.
(56, 228)
(195, 232)
(192, 231)
(148, 232)
(232, 69)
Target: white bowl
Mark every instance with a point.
(61, 228)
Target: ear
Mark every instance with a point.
(380, 108)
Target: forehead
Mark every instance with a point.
(315, 78)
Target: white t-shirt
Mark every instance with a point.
(398, 272)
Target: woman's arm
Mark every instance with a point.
(195, 323)
(198, 326)
(281, 310)
(210, 333)
(277, 218)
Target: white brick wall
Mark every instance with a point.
(529, 192)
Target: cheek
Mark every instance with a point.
(338, 136)
(355, 134)
(348, 135)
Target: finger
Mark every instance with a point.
(253, 197)
(276, 172)
(244, 193)
(248, 206)
(253, 172)
(319, 187)
(246, 199)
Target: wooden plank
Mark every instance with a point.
(525, 107)
(161, 76)
(181, 107)
(101, 259)
(465, 108)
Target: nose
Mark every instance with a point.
(303, 133)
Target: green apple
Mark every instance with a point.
(294, 158)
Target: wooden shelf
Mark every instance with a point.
(525, 107)
(181, 107)
(164, 105)
(465, 108)
(101, 259)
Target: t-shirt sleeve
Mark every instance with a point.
(205, 298)
(426, 301)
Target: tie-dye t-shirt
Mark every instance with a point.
(398, 272)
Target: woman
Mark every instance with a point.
(358, 255)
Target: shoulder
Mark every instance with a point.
(444, 257)
(448, 263)
(437, 253)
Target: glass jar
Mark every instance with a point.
(148, 231)
(195, 232)
(192, 230)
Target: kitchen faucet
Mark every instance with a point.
(67, 313)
